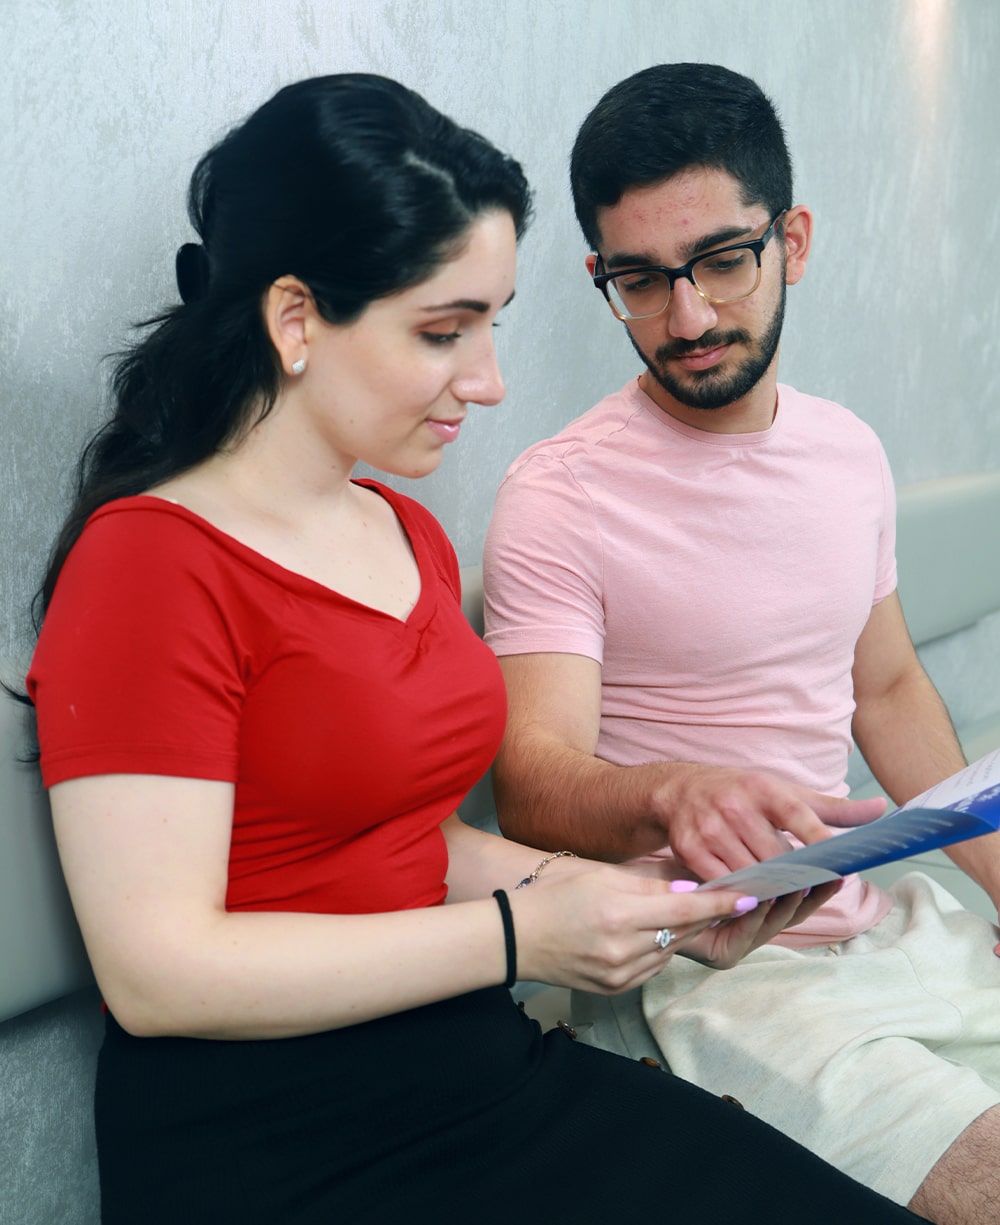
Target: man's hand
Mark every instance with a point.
(719, 820)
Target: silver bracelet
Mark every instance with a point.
(530, 880)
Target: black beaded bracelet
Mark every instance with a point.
(510, 945)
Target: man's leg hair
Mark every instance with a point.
(963, 1188)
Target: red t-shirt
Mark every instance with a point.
(171, 648)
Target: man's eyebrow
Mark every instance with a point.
(731, 233)
(719, 238)
(465, 304)
(629, 259)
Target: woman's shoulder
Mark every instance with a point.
(423, 529)
(150, 530)
(412, 514)
(140, 517)
(146, 553)
(405, 506)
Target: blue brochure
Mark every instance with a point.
(964, 806)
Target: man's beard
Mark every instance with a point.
(710, 388)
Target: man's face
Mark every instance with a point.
(717, 384)
(701, 356)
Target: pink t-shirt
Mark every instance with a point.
(721, 580)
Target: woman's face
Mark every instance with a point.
(393, 387)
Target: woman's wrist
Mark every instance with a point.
(542, 865)
(509, 938)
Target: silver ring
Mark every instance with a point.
(663, 938)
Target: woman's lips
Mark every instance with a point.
(447, 431)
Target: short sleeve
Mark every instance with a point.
(136, 669)
(543, 565)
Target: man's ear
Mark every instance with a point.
(591, 262)
(287, 305)
(797, 227)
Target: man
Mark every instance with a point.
(692, 593)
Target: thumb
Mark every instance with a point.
(835, 811)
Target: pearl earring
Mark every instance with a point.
(298, 367)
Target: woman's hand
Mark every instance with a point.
(723, 946)
(597, 929)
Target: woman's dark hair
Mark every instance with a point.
(672, 117)
(352, 183)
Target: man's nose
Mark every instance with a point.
(689, 314)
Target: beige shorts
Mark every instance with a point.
(875, 1053)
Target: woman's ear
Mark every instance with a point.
(287, 304)
(797, 228)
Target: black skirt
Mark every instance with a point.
(460, 1111)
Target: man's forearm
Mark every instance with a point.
(907, 737)
(909, 743)
(980, 859)
(558, 798)
(715, 819)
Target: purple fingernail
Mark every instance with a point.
(744, 904)
(683, 886)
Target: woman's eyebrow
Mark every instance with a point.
(466, 304)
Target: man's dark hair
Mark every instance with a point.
(672, 117)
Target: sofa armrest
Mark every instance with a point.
(41, 952)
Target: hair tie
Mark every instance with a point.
(191, 269)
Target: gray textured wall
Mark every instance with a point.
(891, 108)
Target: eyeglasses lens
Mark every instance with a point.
(723, 277)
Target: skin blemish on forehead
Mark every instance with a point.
(672, 221)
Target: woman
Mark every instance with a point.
(259, 707)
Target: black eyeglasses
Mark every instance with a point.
(724, 275)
